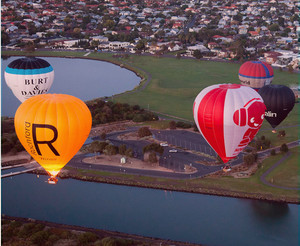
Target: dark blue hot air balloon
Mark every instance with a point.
(279, 100)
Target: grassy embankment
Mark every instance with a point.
(173, 87)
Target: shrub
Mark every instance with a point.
(219, 160)
(27, 230)
(249, 159)
(172, 125)
(182, 124)
(40, 237)
(281, 133)
(103, 135)
(273, 152)
(195, 128)
(129, 152)
(87, 237)
(108, 241)
(144, 131)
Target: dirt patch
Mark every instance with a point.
(129, 163)
(15, 158)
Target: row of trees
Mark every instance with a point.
(110, 149)
(105, 112)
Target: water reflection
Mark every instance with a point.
(264, 209)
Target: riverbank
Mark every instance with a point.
(241, 182)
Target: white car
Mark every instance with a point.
(164, 144)
(173, 150)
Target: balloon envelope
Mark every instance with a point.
(52, 128)
(29, 76)
(256, 74)
(279, 100)
(228, 116)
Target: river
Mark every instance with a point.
(82, 78)
(210, 220)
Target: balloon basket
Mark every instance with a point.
(52, 180)
(227, 168)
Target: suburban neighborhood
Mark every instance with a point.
(229, 30)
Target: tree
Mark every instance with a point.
(122, 149)
(281, 133)
(153, 147)
(144, 131)
(4, 38)
(273, 152)
(97, 146)
(197, 54)
(152, 157)
(140, 45)
(274, 27)
(111, 150)
(284, 148)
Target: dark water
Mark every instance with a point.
(209, 220)
(85, 79)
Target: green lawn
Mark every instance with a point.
(287, 174)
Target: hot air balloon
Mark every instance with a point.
(256, 74)
(29, 76)
(279, 100)
(52, 128)
(228, 116)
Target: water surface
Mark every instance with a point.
(210, 220)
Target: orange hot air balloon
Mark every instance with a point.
(52, 128)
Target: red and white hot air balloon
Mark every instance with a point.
(256, 74)
(228, 116)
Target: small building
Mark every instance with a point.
(123, 160)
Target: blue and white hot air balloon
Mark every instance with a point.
(29, 76)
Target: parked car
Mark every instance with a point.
(164, 144)
(173, 150)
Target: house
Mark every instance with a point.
(212, 45)
(100, 39)
(191, 49)
(116, 45)
(271, 56)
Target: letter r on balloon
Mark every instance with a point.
(49, 143)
